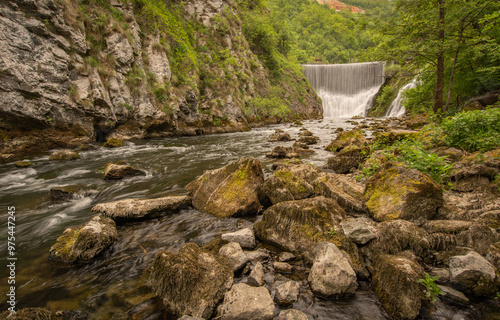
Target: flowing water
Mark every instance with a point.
(397, 108)
(114, 285)
(346, 89)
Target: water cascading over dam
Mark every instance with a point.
(346, 89)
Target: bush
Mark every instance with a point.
(474, 130)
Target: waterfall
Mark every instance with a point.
(346, 89)
(397, 108)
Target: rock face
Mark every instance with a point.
(298, 225)
(244, 302)
(82, 244)
(474, 273)
(283, 185)
(115, 171)
(233, 190)
(395, 280)
(191, 281)
(400, 193)
(245, 237)
(130, 209)
(64, 155)
(331, 274)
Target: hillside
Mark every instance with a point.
(338, 5)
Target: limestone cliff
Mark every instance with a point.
(81, 71)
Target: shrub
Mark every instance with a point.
(473, 130)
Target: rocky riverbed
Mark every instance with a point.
(299, 242)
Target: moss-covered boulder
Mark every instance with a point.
(118, 171)
(347, 160)
(23, 164)
(394, 135)
(395, 280)
(131, 209)
(82, 244)
(353, 138)
(233, 190)
(284, 185)
(347, 193)
(401, 193)
(279, 136)
(298, 225)
(306, 172)
(192, 281)
(64, 155)
(114, 143)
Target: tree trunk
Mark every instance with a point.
(448, 99)
(438, 96)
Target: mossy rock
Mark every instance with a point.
(348, 160)
(417, 121)
(78, 245)
(23, 164)
(296, 226)
(395, 135)
(64, 155)
(233, 190)
(114, 143)
(395, 281)
(401, 193)
(286, 186)
(192, 281)
(117, 171)
(347, 193)
(347, 138)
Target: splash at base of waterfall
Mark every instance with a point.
(347, 105)
(397, 108)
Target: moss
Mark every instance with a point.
(113, 143)
(382, 195)
(294, 184)
(23, 164)
(62, 250)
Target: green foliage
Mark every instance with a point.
(269, 106)
(73, 92)
(431, 291)
(473, 130)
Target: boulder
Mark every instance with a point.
(395, 280)
(447, 226)
(347, 193)
(82, 244)
(305, 133)
(113, 143)
(399, 235)
(347, 138)
(117, 171)
(401, 193)
(470, 177)
(23, 164)
(256, 277)
(286, 256)
(257, 255)
(331, 274)
(283, 185)
(192, 281)
(235, 255)
(282, 267)
(66, 193)
(292, 314)
(64, 155)
(359, 230)
(287, 293)
(244, 302)
(279, 136)
(478, 237)
(131, 209)
(298, 225)
(281, 152)
(308, 140)
(453, 295)
(347, 160)
(474, 273)
(245, 237)
(285, 163)
(233, 190)
(493, 255)
(305, 172)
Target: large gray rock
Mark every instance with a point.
(245, 237)
(279, 136)
(346, 192)
(292, 314)
(331, 274)
(191, 281)
(82, 244)
(474, 273)
(256, 277)
(395, 280)
(287, 293)
(244, 302)
(282, 267)
(401, 193)
(454, 295)
(359, 230)
(130, 209)
(284, 185)
(235, 255)
(117, 171)
(232, 190)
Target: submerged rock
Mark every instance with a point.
(279, 136)
(245, 302)
(401, 193)
(233, 190)
(117, 171)
(245, 237)
(395, 280)
(130, 209)
(64, 155)
(82, 244)
(191, 281)
(308, 140)
(113, 143)
(283, 185)
(331, 274)
(474, 273)
(23, 164)
(298, 225)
